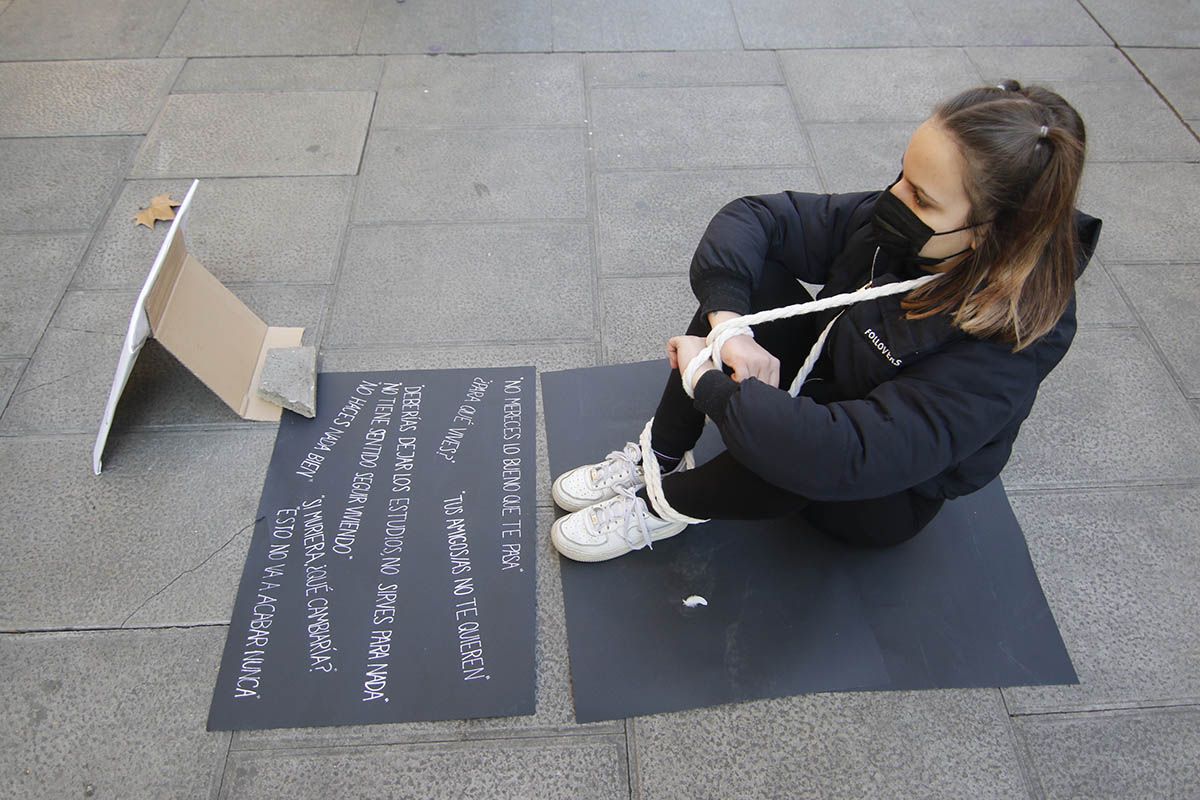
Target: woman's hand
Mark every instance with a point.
(748, 359)
(682, 349)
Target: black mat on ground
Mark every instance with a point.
(391, 577)
(790, 610)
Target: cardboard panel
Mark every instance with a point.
(790, 610)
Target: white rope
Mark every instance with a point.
(711, 354)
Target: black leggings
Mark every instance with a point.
(724, 489)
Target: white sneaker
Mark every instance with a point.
(585, 486)
(610, 528)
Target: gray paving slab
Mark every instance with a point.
(61, 29)
(1128, 121)
(1166, 298)
(770, 24)
(884, 85)
(859, 156)
(702, 68)
(113, 714)
(1098, 301)
(944, 744)
(1175, 73)
(10, 373)
(59, 184)
(289, 379)
(267, 27)
(1155, 23)
(432, 284)
(1109, 414)
(77, 98)
(692, 127)
(1031, 65)
(280, 74)
(641, 314)
(633, 25)
(1149, 211)
(66, 385)
(591, 767)
(165, 503)
(555, 712)
(34, 271)
(284, 230)
(457, 26)
(505, 89)
(256, 134)
(649, 223)
(984, 22)
(1118, 568)
(1127, 754)
(473, 174)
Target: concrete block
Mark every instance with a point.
(640, 314)
(1174, 73)
(591, 768)
(34, 271)
(460, 175)
(702, 68)
(859, 156)
(1166, 297)
(631, 25)
(1127, 121)
(768, 24)
(1149, 211)
(845, 745)
(457, 26)
(434, 284)
(289, 379)
(281, 74)
(1118, 567)
(649, 223)
(555, 712)
(267, 27)
(1031, 65)
(983, 22)
(695, 127)
(10, 373)
(1098, 301)
(111, 714)
(1120, 755)
(875, 85)
(61, 29)
(530, 89)
(166, 503)
(59, 184)
(67, 382)
(257, 134)
(1109, 414)
(281, 230)
(1158, 23)
(78, 98)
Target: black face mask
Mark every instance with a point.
(901, 234)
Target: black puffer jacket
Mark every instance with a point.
(892, 404)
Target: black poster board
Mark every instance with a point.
(790, 610)
(391, 573)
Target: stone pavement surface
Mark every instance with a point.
(545, 167)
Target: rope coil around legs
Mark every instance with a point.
(740, 326)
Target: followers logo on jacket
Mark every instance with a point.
(881, 347)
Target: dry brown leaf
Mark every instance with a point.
(160, 208)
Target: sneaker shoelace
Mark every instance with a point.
(619, 464)
(627, 510)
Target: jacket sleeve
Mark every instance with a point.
(804, 232)
(931, 416)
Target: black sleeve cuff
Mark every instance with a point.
(713, 391)
(722, 295)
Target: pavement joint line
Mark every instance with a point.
(527, 737)
(801, 125)
(390, 223)
(1028, 774)
(632, 761)
(225, 766)
(362, 27)
(1114, 711)
(110, 629)
(1104, 486)
(592, 194)
(1176, 379)
(190, 570)
(713, 168)
(175, 25)
(481, 126)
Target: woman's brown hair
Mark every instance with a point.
(1024, 152)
